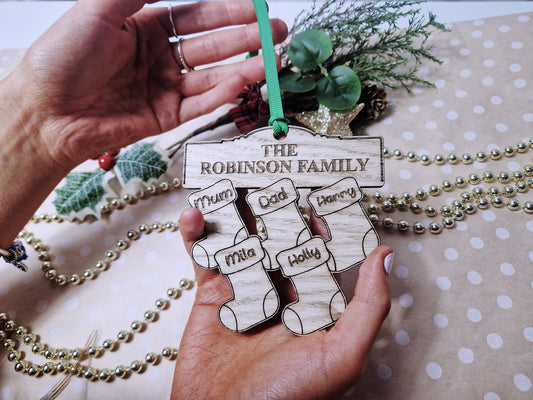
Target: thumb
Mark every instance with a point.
(355, 332)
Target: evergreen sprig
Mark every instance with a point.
(368, 37)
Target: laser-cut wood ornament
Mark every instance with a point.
(335, 169)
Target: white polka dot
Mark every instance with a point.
(414, 109)
(477, 34)
(528, 117)
(128, 219)
(446, 169)
(529, 226)
(515, 67)
(406, 300)
(444, 283)
(431, 125)
(474, 277)
(504, 28)
(415, 247)
(470, 136)
(488, 216)
(477, 243)
(95, 317)
(440, 83)
(528, 334)
(387, 121)
(488, 63)
(455, 42)
(438, 103)
(448, 146)
(452, 115)
(460, 94)
(494, 341)
(466, 356)
(152, 374)
(496, 100)
(479, 109)
(110, 240)
(85, 251)
(151, 256)
(401, 272)
(434, 370)
(402, 338)
(41, 306)
(440, 320)
(445, 60)
(473, 315)
(507, 269)
(451, 254)
(503, 233)
(487, 81)
(491, 396)
(479, 22)
(488, 44)
(114, 287)
(407, 135)
(504, 302)
(501, 127)
(519, 83)
(55, 333)
(461, 226)
(157, 216)
(523, 18)
(522, 382)
(146, 280)
(73, 303)
(465, 73)
(513, 166)
(384, 371)
(175, 197)
(405, 174)
(517, 45)
(464, 52)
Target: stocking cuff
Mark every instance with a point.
(213, 197)
(333, 198)
(303, 258)
(241, 256)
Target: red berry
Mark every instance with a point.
(106, 162)
(114, 153)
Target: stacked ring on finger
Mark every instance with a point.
(179, 52)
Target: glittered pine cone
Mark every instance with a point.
(375, 99)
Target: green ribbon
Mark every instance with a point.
(277, 119)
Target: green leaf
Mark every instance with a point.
(339, 90)
(309, 49)
(301, 86)
(81, 190)
(287, 76)
(140, 161)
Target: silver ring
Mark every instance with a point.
(181, 59)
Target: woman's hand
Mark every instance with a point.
(270, 362)
(105, 75)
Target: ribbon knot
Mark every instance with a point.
(252, 107)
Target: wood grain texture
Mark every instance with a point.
(309, 159)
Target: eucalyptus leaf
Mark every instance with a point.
(301, 86)
(309, 49)
(287, 76)
(339, 90)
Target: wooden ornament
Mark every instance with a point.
(335, 169)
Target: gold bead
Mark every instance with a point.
(386, 152)
(101, 265)
(407, 197)
(75, 279)
(521, 147)
(62, 280)
(447, 185)
(509, 151)
(93, 351)
(108, 344)
(176, 182)
(185, 284)
(458, 215)
(378, 197)
(89, 274)
(132, 235)
(503, 177)
(136, 366)
(163, 186)
(494, 191)
(137, 326)
(430, 211)
(448, 222)
(90, 374)
(481, 156)
(435, 227)
(46, 265)
(521, 186)
(460, 182)
(105, 375)
(128, 198)
(111, 255)
(168, 353)
(517, 176)
(434, 190)
(123, 336)
(140, 194)
(401, 205)
(416, 208)
(62, 354)
(49, 368)
(397, 154)
(488, 177)
(13, 356)
(420, 194)
(403, 225)
(452, 158)
(478, 191)
(150, 316)
(425, 159)
(467, 159)
(43, 256)
(446, 210)
(151, 358)
(105, 209)
(173, 293)
(528, 207)
(439, 159)
(372, 208)
(122, 244)
(466, 196)
(528, 170)
(497, 201)
(419, 228)
(116, 204)
(387, 206)
(374, 219)
(470, 208)
(120, 371)
(161, 304)
(144, 229)
(513, 204)
(20, 366)
(411, 156)
(21, 331)
(387, 223)
(152, 189)
(508, 191)
(33, 370)
(473, 179)
(51, 274)
(495, 154)
(157, 227)
(77, 354)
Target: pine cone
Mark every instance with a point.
(375, 99)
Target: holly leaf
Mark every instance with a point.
(81, 194)
(340, 89)
(309, 49)
(140, 163)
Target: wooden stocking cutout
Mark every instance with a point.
(277, 168)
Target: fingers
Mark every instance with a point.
(352, 338)
(218, 46)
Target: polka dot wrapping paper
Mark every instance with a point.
(460, 325)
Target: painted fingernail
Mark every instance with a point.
(387, 263)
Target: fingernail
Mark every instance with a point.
(387, 263)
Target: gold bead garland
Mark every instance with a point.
(68, 361)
